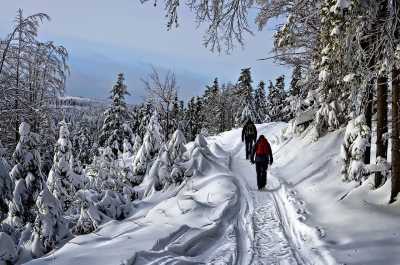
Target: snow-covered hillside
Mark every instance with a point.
(219, 217)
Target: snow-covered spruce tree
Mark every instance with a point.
(50, 227)
(152, 142)
(276, 100)
(168, 168)
(194, 117)
(260, 102)
(112, 132)
(160, 171)
(6, 185)
(136, 146)
(107, 171)
(127, 149)
(331, 92)
(245, 92)
(83, 152)
(176, 151)
(59, 181)
(48, 136)
(295, 96)
(27, 178)
(356, 140)
(211, 108)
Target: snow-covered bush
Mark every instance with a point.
(114, 205)
(326, 118)
(152, 142)
(98, 208)
(50, 226)
(168, 168)
(90, 217)
(356, 140)
(160, 171)
(198, 155)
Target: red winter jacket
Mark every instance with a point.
(262, 143)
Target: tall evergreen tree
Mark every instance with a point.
(112, 132)
(246, 94)
(211, 108)
(27, 177)
(260, 101)
(59, 181)
(152, 142)
(276, 100)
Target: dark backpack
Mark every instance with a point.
(262, 147)
(249, 130)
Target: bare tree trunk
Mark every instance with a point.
(395, 134)
(368, 117)
(381, 125)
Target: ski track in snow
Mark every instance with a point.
(271, 245)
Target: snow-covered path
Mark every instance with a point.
(279, 237)
(270, 244)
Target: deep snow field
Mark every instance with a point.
(307, 215)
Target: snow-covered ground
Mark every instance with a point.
(306, 216)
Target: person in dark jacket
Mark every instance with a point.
(249, 136)
(262, 157)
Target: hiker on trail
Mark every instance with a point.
(249, 136)
(262, 156)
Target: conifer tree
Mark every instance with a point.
(83, 152)
(50, 226)
(112, 133)
(59, 181)
(211, 108)
(152, 142)
(276, 100)
(27, 178)
(246, 94)
(260, 102)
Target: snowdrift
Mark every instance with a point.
(355, 222)
(193, 223)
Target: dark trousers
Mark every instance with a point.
(249, 147)
(261, 169)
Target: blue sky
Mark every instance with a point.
(107, 37)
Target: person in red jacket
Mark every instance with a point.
(249, 136)
(262, 157)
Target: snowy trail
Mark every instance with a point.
(270, 244)
(277, 239)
